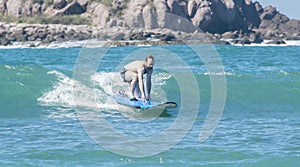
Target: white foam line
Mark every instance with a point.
(93, 43)
(292, 42)
(264, 43)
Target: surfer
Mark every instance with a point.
(133, 74)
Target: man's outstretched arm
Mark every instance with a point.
(149, 84)
(141, 84)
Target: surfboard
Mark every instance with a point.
(140, 104)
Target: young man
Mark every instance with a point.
(133, 74)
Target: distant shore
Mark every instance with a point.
(157, 22)
(42, 35)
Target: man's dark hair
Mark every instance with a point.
(149, 57)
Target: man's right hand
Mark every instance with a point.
(143, 98)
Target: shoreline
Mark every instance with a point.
(14, 35)
(97, 43)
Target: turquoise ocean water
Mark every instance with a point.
(260, 125)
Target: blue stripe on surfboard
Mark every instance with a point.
(124, 100)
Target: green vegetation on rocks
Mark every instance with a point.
(67, 20)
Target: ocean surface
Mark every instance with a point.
(49, 116)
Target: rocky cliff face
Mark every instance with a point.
(277, 25)
(213, 16)
(219, 16)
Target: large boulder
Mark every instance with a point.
(203, 16)
(225, 11)
(133, 15)
(99, 14)
(161, 7)
(220, 16)
(83, 4)
(178, 8)
(59, 4)
(14, 8)
(150, 18)
(229, 35)
(249, 14)
(258, 7)
(192, 8)
(154, 14)
(36, 9)
(3, 7)
(73, 8)
(276, 42)
(292, 29)
(27, 8)
(255, 38)
(30, 8)
(117, 4)
(168, 14)
(271, 19)
(269, 13)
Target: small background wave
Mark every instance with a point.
(20, 88)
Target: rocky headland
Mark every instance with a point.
(144, 21)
